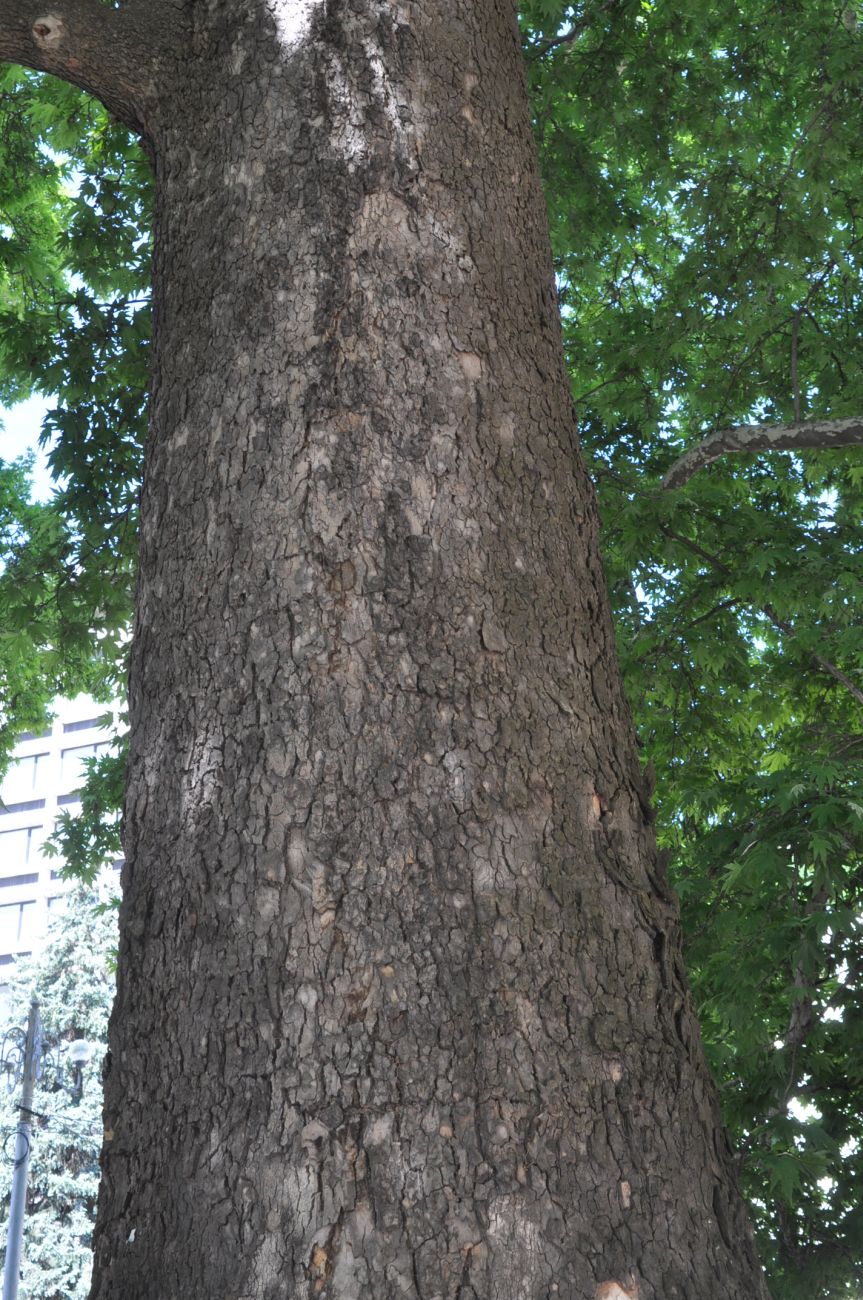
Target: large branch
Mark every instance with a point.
(113, 54)
(808, 435)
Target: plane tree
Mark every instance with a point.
(394, 920)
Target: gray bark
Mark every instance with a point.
(806, 435)
(119, 54)
(401, 1009)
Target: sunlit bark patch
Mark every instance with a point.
(293, 19)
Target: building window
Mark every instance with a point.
(72, 762)
(19, 848)
(26, 805)
(85, 724)
(25, 776)
(18, 922)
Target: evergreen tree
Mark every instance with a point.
(72, 979)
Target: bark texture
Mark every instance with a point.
(119, 53)
(401, 1009)
(806, 435)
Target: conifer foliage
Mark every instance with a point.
(73, 980)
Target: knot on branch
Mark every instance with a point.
(48, 31)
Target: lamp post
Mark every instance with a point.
(24, 1056)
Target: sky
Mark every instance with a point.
(19, 433)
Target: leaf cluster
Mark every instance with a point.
(74, 326)
(702, 171)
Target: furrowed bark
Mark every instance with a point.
(400, 1009)
(810, 435)
(115, 54)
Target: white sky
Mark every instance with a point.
(19, 433)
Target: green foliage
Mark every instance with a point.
(90, 838)
(24, 653)
(73, 981)
(47, 644)
(702, 170)
(74, 325)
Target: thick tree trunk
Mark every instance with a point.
(401, 1010)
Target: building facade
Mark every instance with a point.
(42, 782)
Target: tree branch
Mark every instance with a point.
(573, 33)
(113, 54)
(768, 611)
(795, 381)
(809, 435)
(565, 38)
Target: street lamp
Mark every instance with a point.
(25, 1056)
(79, 1053)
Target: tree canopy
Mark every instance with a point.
(702, 171)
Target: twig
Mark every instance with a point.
(540, 51)
(795, 383)
(567, 38)
(768, 611)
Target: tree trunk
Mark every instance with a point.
(401, 1009)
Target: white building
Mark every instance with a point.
(41, 783)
